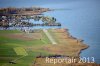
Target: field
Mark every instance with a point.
(15, 44)
(18, 48)
(20, 51)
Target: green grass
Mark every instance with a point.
(20, 51)
(7, 52)
(10, 31)
(12, 49)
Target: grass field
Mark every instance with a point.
(12, 48)
(20, 51)
(22, 48)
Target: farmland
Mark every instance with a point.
(19, 48)
(14, 42)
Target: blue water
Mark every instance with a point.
(82, 19)
(83, 23)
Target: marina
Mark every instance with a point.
(10, 17)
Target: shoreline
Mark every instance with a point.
(80, 40)
(70, 45)
(61, 49)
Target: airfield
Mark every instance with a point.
(18, 48)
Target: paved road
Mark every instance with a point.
(49, 36)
